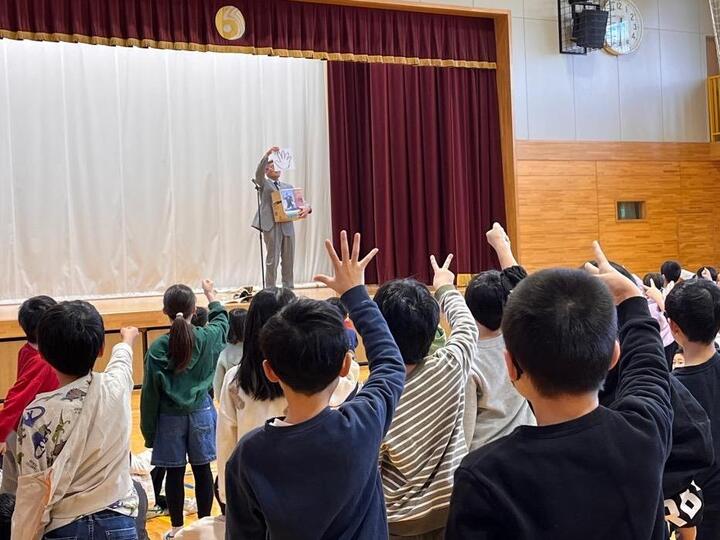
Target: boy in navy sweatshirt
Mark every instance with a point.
(586, 471)
(314, 473)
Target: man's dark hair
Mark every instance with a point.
(7, 507)
(305, 344)
(236, 330)
(200, 318)
(486, 296)
(71, 337)
(30, 313)
(338, 304)
(695, 307)
(560, 327)
(653, 277)
(713, 272)
(671, 271)
(412, 315)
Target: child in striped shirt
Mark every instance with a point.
(426, 440)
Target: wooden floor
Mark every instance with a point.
(158, 526)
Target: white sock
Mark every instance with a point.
(176, 530)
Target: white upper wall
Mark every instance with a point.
(655, 94)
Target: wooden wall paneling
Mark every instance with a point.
(643, 245)
(8, 364)
(557, 217)
(112, 339)
(615, 151)
(697, 240)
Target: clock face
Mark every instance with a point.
(625, 27)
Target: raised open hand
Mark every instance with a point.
(350, 270)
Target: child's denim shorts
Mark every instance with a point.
(191, 435)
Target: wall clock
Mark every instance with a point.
(625, 27)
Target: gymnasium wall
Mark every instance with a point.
(656, 94)
(567, 195)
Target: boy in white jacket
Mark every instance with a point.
(74, 443)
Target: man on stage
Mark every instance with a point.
(279, 237)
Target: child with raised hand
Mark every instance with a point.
(586, 471)
(426, 440)
(177, 415)
(74, 442)
(313, 474)
(693, 308)
(493, 408)
(34, 376)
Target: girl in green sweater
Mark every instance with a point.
(177, 414)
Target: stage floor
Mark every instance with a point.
(143, 312)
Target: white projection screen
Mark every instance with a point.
(125, 170)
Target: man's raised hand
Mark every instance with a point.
(620, 286)
(442, 274)
(350, 269)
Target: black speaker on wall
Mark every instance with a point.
(589, 25)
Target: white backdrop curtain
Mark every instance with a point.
(125, 170)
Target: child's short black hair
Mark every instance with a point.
(671, 271)
(486, 296)
(30, 313)
(200, 318)
(7, 507)
(695, 307)
(653, 277)
(305, 344)
(560, 327)
(338, 304)
(412, 315)
(71, 337)
(713, 272)
(236, 330)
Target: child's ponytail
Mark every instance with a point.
(179, 305)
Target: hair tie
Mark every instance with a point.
(179, 315)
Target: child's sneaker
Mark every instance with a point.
(157, 511)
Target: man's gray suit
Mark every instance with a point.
(279, 237)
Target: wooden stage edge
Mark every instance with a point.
(143, 312)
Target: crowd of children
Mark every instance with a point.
(551, 410)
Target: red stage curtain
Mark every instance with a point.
(415, 163)
(275, 27)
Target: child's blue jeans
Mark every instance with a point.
(105, 525)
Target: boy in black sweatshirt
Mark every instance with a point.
(586, 471)
(691, 451)
(693, 308)
(313, 474)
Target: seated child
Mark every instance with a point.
(314, 472)
(349, 330)
(34, 376)
(248, 399)
(708, 273)
(177, 415)
(200, 318)
(693, 308)
(586, 471)
(656, 304)
(74, 442)
(493, 408)
(426, 440)
(233, 351)
(671, 272)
